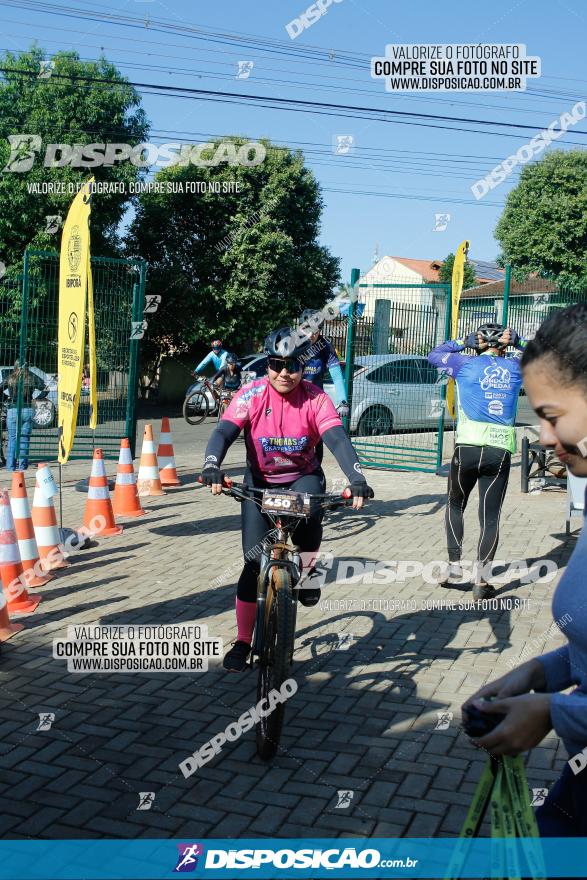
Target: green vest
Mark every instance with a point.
(484, 433)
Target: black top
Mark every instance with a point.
(232, 381)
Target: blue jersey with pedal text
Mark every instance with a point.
(323, 357)
(488, 389)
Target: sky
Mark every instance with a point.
(401, 171)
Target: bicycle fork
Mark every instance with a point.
(294, 566)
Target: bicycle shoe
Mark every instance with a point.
(235, 660)
(307, 594)
(309, 597)
(483, 591)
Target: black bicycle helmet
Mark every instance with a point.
(231, 359)
(491, 334)
(312, 316)
(286, 342)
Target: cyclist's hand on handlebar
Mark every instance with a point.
(360, 491)
(212, 476)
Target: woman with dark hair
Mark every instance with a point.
(554, 365)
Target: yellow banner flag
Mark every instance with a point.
(458, 276)
(92, 350)
(73, 283)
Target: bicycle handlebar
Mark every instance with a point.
(242, 492)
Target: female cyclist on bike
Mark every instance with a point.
(283, 419)
(230, 373)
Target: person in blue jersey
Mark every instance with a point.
(487, 391)
(532, 696)
(216, 357)
(321, 358)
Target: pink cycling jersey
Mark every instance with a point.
(282, 430)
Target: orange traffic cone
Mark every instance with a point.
(126, 500)
(149, 481)
(47, 533)
(11, 570)
(166, 456)
(98, 504)
(25, 532)
(7, 629)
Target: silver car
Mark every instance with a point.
(391, 392)
(45, 409)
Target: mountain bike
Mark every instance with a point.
(223, 403)
(197, 405)
(277, 593)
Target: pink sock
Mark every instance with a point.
(246, 613)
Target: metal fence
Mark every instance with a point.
(396, 398)
(28, 331)
(523, 306)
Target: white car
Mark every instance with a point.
(46, 409)
(391, 392)
(253, 366)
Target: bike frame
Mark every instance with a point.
(276, 552)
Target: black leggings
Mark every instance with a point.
(255, 525)
(490, 467)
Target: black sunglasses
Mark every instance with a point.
(291, 365)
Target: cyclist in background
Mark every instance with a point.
(216, 357)
(488, 387)
(283, 418)
(320, 358)
(229, 374)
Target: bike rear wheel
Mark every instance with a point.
(275, 661)
(195, 408)
(223, 404)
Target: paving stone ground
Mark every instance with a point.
(365, 719)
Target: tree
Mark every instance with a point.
(445, 272)
(543, 227)
(231, 263)
(63, 109)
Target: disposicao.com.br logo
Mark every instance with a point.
(317, 859)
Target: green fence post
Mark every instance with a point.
(506, 296)
(138, 305)
(22, 351)
(447, 334)
(350, 350)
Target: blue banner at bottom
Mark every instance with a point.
(271, 858)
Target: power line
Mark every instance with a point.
(320, 86)
(297, 104)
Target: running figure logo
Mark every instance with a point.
(244, 69)
(344, 799)
(343, 144)
(46, 719)
(538, 796)
(444, 719)
(188, 857)
(146, 800)
(441, 221)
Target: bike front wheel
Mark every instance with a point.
(275, 660)
(195, 408)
